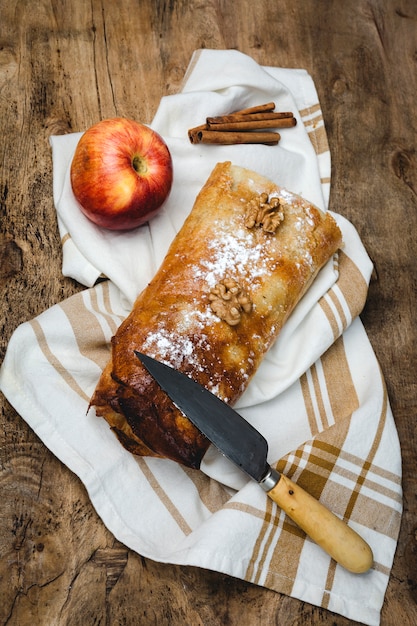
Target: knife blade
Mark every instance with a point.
(240, 442)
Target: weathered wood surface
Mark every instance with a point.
(63, 66)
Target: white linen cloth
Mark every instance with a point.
(318, 397)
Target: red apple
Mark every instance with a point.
(121, 173)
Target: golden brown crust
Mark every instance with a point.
(173, 321)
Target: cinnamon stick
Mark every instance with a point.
(286, 122)
(193, 133)
(244, 126)
(230, 138)
(249, 117)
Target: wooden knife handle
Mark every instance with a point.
(342, 543)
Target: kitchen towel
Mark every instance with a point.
(319, 396)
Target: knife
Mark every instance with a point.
(248, 449)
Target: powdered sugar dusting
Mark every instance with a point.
(232, 253)
(179, 346)
(164, 341)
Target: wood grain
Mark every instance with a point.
(65, 65)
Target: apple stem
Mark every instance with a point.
(139, 164)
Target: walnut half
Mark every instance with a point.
(267, 215)
(228, 300)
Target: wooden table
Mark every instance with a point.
(64, 66)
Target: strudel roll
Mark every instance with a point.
(244, 257)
